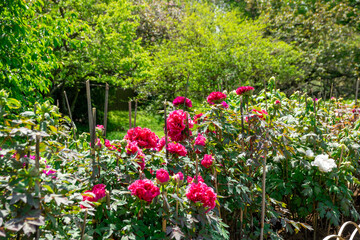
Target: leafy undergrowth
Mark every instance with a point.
(137, 188)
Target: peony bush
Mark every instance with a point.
(311, 150)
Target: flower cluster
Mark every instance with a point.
(324, 163)
(97, 193)
(162, 143)
(176, 124)
(200, 140)
(144, 190)
(207, 161)
(144, 137)
(179, 176)
(180, 101)
(49, 172)
(225, 105)
(190, 179)
(177, 148)
(162, 175)
(244, 90)
(215, 97)
(109, 145)
(200, 192)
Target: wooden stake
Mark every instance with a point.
(93, 135)
(166, 135)
(356, 91)
(70, 115)
(37, 166)
(106, 108)
(135, 113)
(83, 226)
(263, 192)
(130, 115)
(90, 117)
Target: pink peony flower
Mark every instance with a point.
(200, 140)
(177, 148)
(179, 176)
(144, 190)
(100, 127)
(162, 175)
(144, 137)
(215, 97)
(162, 143)
(180, 101)
(97, 193)
(207, 161)
(225, 105)
(277, 102)
(132, 148)
(176, 124)
(245, 89)
(109, 145)
(200, 192)
(190, 179)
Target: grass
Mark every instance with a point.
(118, 123)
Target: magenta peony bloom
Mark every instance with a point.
(176, 124)
(215, 97)
(179, 176)
(100, 127)
(144, 190)
(162, 175)
(277, 102)
(207, 161)
(200, 192)
(200, 140)
(144, 137)
(132, 148)
(162, 143)
(109, 145)
(180, 101)
(97, 193)
(244, 89)
(177, 148)
(191, 180)
(224, 104)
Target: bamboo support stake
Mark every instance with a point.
(106, 108)
(83, 226)
(197, 170)
(135, 113)
(130, 126)
(356, 91)
(90, 117)
(263, 191)
(70, 115)
(166, 135)
(37, 166)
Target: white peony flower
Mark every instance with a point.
(309, 153)
(324, 163)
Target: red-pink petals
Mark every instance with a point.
(200, 192)
(216, 97)
(144, 137)
(176, 124)
(207, 161)
(144, 190)
(177, 148)
(244, 89)
(162, 175)
(180, 101)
